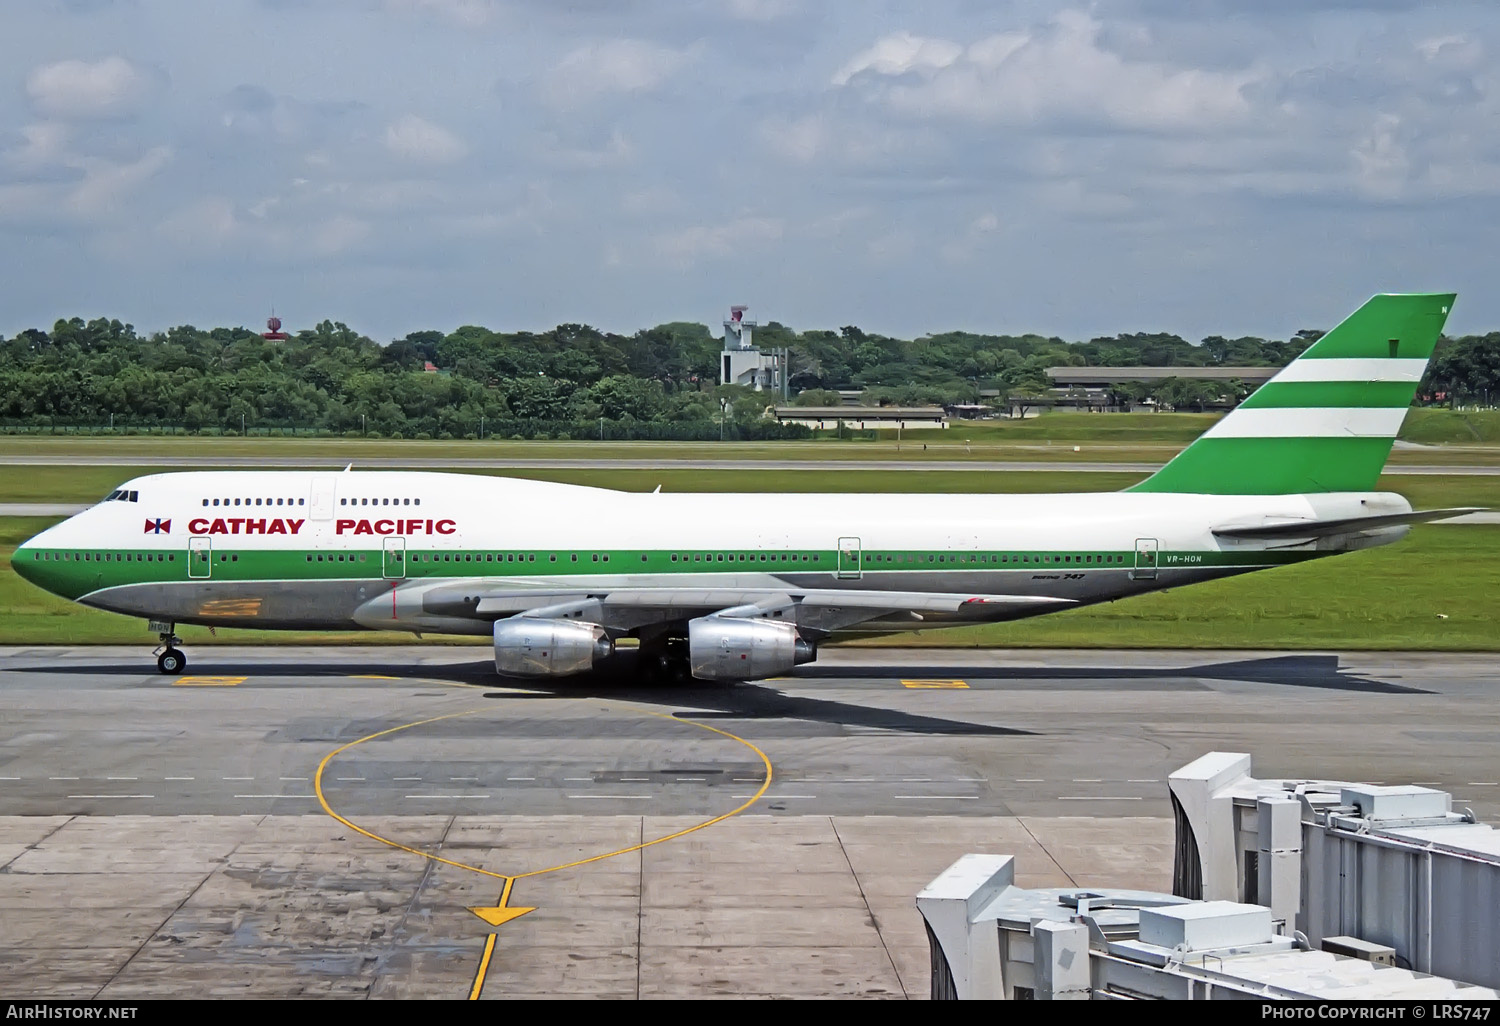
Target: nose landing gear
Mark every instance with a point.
(169, 658)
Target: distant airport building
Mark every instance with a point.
(1096, 388)
(1104, 377)
(740, 363)
(861, 418)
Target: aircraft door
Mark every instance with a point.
(393, 558)
(850, 565)
(200, 557)
(323, 486)
(1145, 559)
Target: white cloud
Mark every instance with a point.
(106, 183)
(899, 54)
(828, 140)
(466, 13)
(1059, 72)
(412, 138)
(112, 87)
(616, 151)
(1381, 164)
(43, 145)
(694, 243)
(611, 68)
(214, 224)
(761, 10)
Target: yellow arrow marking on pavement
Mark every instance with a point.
(920, 684)
(502, 913)
(499, 915)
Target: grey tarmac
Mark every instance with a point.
(163, 836)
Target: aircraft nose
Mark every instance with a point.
(24, 562)
(29, 562)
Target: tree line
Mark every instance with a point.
(575, 381)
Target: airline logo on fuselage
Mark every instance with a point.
(278, 525)
(394, 527)
(157, 525)
(244, 525)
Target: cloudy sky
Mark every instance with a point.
(1250, 167)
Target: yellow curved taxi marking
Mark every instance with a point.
(502, 913)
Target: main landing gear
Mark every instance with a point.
(664, 660)
(169, 658)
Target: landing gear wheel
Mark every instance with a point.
(676, 668)
(665, 662)
(171, 662)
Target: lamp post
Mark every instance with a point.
(601, 429)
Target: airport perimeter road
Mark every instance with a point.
(666, 462)
(288, 822)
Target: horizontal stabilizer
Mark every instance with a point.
(1344, 525)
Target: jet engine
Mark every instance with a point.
(530, 647)
(725, 648)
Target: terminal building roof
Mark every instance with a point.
(1112, 375)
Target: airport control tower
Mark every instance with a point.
(742, 364)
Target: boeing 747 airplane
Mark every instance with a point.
(742, 587)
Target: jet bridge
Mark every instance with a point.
(1285, 889)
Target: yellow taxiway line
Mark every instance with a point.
(503, 912)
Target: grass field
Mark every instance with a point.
(1449, 427)
(1447, 438)
(88, 484)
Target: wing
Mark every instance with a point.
(470, 606)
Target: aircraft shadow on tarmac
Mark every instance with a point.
(762, 701)
(1301, 671)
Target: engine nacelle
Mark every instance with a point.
(725, 648)
(531, 647)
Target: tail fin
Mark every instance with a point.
(1326, 422)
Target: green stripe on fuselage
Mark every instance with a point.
(73, 577)
(1353, 394)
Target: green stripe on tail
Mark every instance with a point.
(1326, 422)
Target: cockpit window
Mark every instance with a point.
(122, 495)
